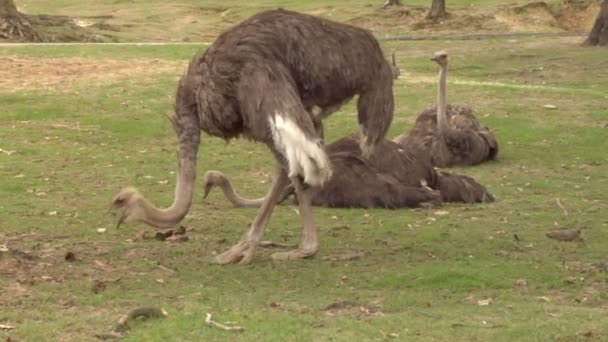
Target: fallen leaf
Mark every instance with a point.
(521, 283)
(53, 213)
(70, 256)
(98, 286)
(550, 106)
(101, 230)
(100, 264)
(484, 302)
(565, 235)
(7, 327)
(544, 299)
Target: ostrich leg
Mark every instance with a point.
(310, 240)
(242, 252)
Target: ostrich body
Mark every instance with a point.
(260, 80)
(450, 133)
(392, 178)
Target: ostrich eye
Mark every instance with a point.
(119, 201)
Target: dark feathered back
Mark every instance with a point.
(285, 61)
(466, 142)
(409, 168)
(358, 184)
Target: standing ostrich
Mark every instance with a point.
(394, 177)
(450, 133)
(260, 80)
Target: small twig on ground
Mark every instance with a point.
(165, 268)
(213, 323)
(561, 206)
(7, 327)
(77, 127)
(7, 152)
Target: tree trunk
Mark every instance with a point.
(14, 25)
(8, 8)
(392, 3)
(599, 33)
(437, 10)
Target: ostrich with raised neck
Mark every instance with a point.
(260, 80)
(450, 134)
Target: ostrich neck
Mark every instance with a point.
(442, 100)
(184, 188)
(237, 200)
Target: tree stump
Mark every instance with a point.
(14, 25)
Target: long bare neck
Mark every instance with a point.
(189, 141)
(241, 202)
(237, 200)
(442, 122)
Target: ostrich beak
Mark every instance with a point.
(207, 189)
(112, 211)
(120, 221)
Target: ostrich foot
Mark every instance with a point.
(241, 253)
(300, 253)
(271, 244)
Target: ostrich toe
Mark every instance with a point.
(241, 253)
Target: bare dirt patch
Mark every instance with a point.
(578, 15)
(62, 74)
(535, 16)
(573, 15)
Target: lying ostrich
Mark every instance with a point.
(260, 80)
(450, 133)
(355, 183)
(392, 178)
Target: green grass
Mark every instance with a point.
(423, 274)
(201, 21)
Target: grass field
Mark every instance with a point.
(202, 20)
(77, 123)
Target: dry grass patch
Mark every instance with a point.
(63, 74)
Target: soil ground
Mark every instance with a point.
(79, 122)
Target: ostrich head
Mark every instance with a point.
(441, 58)
(133, 204)
(211, 179)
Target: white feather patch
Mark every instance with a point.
(304, 156)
